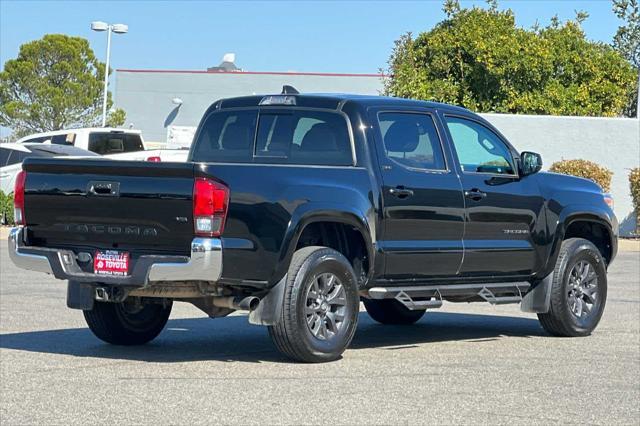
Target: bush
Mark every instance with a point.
(584, 169)
(634, 185)
(6, 208)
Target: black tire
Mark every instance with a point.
(390, 311)
(125, 324)
(562, 320)
(293, 333)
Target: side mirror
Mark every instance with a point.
(530, 163)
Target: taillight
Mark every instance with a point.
(18, 198)
(608, 199)
(210, 203)
(154, 159)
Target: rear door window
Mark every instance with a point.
(114, 143)
(286, 136)
(411, 139)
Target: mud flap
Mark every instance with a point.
(80, 295)
(538, 299)
(270, 308)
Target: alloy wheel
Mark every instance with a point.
(582, 296)
(325, 307)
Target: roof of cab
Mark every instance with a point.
(334, 101)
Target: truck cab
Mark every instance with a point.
(295, 207)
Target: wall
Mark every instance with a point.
(611, 142)
(146, 95)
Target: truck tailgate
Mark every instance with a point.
(134, 206)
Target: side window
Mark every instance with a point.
(63, 139)
(411, 139)
(4, 156)
(39, 139)
(16, 157)
(479, 149)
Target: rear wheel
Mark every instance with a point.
(578, 290)
(127, 323)
(320, 306)
(390, 311)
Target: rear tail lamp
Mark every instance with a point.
(608, 199)
(18, 198)
(210, 204)
(154, 159)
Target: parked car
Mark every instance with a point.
(12, 155)
(116, 144)
(101, 140)
(297, 206)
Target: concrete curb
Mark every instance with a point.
(624, 244)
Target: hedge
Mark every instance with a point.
(586, 169)
(6, 208)
(634, 186)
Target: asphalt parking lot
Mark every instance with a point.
(460, 364)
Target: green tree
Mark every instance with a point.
(54, 83)
(627, 42)
(480, 59)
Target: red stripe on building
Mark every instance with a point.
(320, 74)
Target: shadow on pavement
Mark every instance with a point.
(234, 339)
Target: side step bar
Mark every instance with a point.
(432, 296)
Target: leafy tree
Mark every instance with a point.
(627, 42)
(54, 83)
(627, 38)
(480, 59)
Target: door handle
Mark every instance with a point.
(400, 192)
(103, 188)
(475, 194)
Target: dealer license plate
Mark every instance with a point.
(111, 262)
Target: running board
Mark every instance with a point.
(495, 294)
(418, 305)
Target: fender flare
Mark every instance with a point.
(323, 212)
(574, 213)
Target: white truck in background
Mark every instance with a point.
(114, 143)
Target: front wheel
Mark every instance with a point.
(578, 290)
(320, 306)
(127, 323)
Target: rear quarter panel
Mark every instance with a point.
(270, 204)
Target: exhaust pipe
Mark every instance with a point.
(249, 303)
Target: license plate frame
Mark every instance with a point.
(111, 263)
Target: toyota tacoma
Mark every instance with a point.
(296, 207)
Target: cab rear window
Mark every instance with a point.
(114, 143)
(285, 136)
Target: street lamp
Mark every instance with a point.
(118, 29)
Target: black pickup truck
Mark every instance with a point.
(295, 207)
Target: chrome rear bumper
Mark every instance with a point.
(204, 263)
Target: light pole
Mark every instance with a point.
(118, 29)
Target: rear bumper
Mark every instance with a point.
(204, 263)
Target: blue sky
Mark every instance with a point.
(321, 36)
